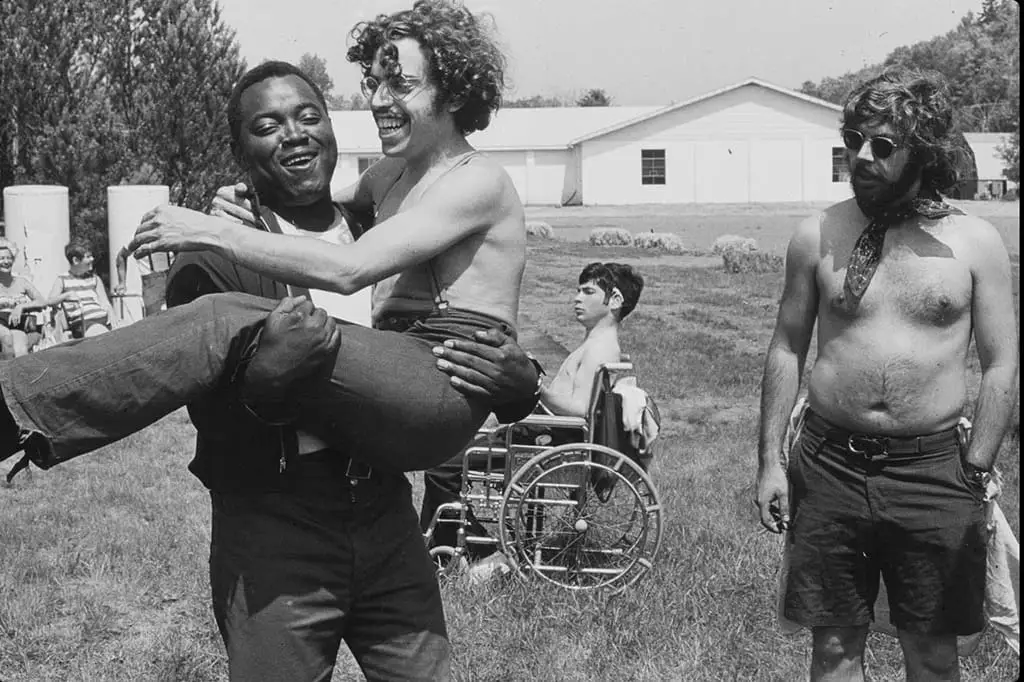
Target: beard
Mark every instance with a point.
(881, 194)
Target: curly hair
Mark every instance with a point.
(465, 61)
(9, 246)
(919, 106)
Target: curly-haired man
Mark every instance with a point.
(883, 479)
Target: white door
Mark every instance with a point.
(722, 171)
(776, 171)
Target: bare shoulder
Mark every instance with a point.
(976, 240)
(602, 348)
(482, 186)
(379, 177)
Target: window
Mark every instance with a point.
(652, 166)
(840, 169)
(365, 162)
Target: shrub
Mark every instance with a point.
(611, 236)
(659, 240)
(731, 241)
(539, 229)
(735, 261)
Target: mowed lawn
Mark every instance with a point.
(104, 559)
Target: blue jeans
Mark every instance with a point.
(384, 399)
(296, 572)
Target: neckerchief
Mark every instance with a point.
(867, 252)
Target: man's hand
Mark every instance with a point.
(297, 340)
(15, 317)
(172, 229)
(773, 498)
(494, 368)
(233, 203)
(120, 290)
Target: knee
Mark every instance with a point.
(929, 657)
(834, 647)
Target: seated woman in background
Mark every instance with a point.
(17, 297)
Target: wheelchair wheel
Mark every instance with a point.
(582, 516)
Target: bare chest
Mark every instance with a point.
(932, 289)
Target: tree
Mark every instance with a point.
(315, 67)
(95, 93)
(355, 102)
(595, 97)
(535, 102)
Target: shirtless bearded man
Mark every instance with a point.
(882, 481)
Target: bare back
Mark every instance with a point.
(896, 363)
(481, 273)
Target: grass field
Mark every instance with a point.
(104, 559)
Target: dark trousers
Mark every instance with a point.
(384, 400)
(296, 572)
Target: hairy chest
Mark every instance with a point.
(922, 288)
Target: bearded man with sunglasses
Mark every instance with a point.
(883, 479)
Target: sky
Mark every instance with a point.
(641, 52)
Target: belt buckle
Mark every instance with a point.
(358, 470)
(868, 447)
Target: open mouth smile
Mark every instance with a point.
(300, 161)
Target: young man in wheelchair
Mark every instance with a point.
(606, 294)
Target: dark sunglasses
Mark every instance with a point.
(881, 147)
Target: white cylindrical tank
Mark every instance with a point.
(38, 221)
(126, 204)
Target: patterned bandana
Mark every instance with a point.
(868, 249)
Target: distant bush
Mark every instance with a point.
(539, 229)
(729, 242)
(611, 236)
(736, 261)
(659, 240)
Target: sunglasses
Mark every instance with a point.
(881, 147)
(399, 87)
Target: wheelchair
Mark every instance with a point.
(569, 498)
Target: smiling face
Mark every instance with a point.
(410, 119)
(286, 142)
(6, 261)
(880, 182)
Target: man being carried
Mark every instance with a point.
(883, 480)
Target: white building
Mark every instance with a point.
(749, 142)
(991, 181)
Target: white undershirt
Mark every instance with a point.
(351, 308)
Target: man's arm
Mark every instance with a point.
(995, 328)
(465, 201)
(783, 369)
(121, 265)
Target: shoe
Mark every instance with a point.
(496, 565)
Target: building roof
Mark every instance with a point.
(510, 129)
(757, 82)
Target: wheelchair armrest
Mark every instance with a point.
(553, 421)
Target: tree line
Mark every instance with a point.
(105, 92)
(981, 60)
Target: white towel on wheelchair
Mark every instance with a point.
(639, 416)
(1002, 579)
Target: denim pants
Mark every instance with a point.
(296, 572)
(384, 399)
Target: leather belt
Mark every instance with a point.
(874, 447)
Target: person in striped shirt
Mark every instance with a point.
(81, 294)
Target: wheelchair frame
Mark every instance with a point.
(579, 515)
